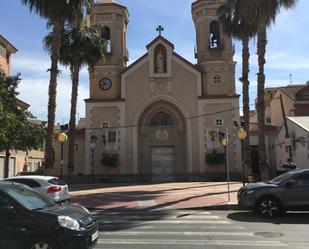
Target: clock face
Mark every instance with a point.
(105, 84)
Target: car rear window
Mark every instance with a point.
(57, 181)
(29, 182)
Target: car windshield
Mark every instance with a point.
(282, 177)
(29, 198)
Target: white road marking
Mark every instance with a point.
(147, 213)
(183, 221)
(159, 233)
(185, 226)
(193, 242)
(299, 244)
(146, 203)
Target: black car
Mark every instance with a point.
(29, 220)
(286, 192)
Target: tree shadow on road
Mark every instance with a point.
(124, 218)
(83, 187)
(287, 218)
(100, 200)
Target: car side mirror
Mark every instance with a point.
(289, 184)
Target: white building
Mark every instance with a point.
(299, 133)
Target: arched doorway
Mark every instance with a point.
(162, 143)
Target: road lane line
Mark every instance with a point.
(167, 221)
(192, 242)
(159, 233)
(183, 226)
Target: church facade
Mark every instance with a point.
(161, 117)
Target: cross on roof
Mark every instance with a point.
(160, 29)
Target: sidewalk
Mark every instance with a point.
(186, 195)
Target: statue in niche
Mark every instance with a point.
(160, 62)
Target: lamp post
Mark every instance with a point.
(224, 142)
(62, 138)
(93, 145)
(242, 134)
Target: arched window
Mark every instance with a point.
(214, 35)
(106, 34)
(160, 59)
(162, 119)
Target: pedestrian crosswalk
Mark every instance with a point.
(166, 229)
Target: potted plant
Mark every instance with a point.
(110, 160)
(215, 158)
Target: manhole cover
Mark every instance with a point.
(268, 234)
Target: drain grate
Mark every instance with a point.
(268, 234)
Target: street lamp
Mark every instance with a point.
(224, 140)
(242, 134)
(93, 145)
(62, 138)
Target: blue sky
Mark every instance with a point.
(287, 51)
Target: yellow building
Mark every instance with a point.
(6, 50)
(19, 160)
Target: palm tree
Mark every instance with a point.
(266, 12)
(234, 16)
(56, 13)
(80, 45)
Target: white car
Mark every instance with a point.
(51, 186)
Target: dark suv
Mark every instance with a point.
(289, 191)
(29, 220)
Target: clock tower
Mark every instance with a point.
(105, 80)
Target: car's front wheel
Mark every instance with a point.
(41, 243)
(268, 207)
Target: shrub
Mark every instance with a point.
(110, 160)
(215, 158)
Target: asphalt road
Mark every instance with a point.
(197, 229)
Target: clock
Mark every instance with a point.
(105, 84)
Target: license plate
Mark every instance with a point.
(94, 236)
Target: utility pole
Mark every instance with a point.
(287, 135)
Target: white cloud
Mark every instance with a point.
(38, 66)
(35, 93)
(30, 64)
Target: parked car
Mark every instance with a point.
(52, 186)
(30, 220)
(286, 192)
(27, 173)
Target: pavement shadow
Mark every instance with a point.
(224, 206)
(82, 187)
(123, 218)
(108, 199)
(287, 218)
(205, 185)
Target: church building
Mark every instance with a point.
(161, 118)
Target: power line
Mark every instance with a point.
(175, 120)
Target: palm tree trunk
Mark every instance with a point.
(75, 82)
(246, 108)
(52, 93)
(7, 163)
(261, 51)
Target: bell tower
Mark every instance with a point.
(105, 80)
(214, 50)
